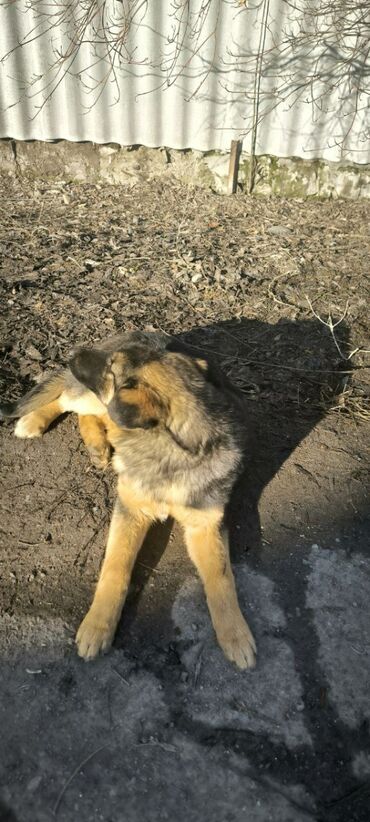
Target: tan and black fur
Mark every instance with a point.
(178, 433)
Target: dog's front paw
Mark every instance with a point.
(237, 643)
(100, 457)
(95, 635)
(29, 426)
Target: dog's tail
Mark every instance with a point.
(43, 393)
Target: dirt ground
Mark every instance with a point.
(163, 726)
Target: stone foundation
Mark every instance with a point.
(111, 163)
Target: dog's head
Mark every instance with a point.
(142, 388)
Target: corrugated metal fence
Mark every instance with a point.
(181, 74)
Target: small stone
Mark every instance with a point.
(278, 230)
(196, 278)
(33, 353)
(34, 783)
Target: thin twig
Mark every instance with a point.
(121, 677)
(75, 772)
(331, 326)
(148, 567)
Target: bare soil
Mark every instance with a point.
(144, 732)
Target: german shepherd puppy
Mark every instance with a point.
(178, 432)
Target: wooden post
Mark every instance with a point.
(235, 151)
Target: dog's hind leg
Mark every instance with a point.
(36, 422)
(38, 408)
(126, 534)
(208, 548)
(94, 435)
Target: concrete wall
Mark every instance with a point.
(88, 162)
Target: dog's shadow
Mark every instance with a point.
(289, 374)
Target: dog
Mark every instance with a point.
(178, 430)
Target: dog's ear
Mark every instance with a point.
(215, 376)
(202, 364)
(137, 407)
(92, 367)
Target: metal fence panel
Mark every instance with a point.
(190, 77)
